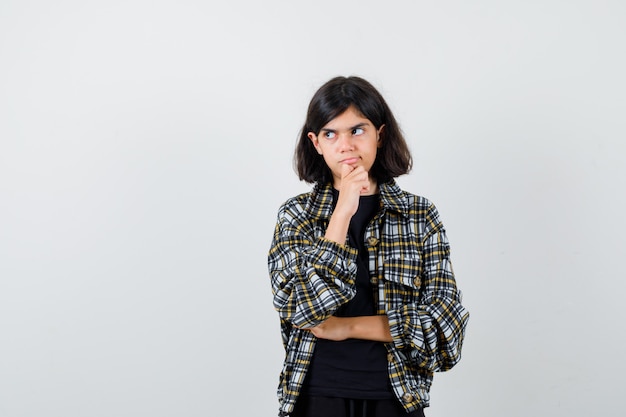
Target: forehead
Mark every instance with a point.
(351, 117)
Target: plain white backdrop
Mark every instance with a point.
(145, 147)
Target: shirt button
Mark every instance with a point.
(373, 281)
(372, 241)
(417, 282)
(390, 358)
(407, 397)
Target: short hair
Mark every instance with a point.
(393, 158)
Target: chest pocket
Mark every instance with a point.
(402, 280)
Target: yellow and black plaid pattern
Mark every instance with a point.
(409, 268)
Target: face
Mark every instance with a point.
(350, 139)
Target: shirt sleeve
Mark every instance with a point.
(310, 276)
(433, 328)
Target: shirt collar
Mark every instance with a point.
(320, 205)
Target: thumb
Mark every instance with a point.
(346, 170)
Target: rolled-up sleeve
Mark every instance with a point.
(311, 276)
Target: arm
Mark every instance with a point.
(432, 329)
(374, 328)
(354, 182)
(311, 276)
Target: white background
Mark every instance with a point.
(146, 146)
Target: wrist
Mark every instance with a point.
(337, 229)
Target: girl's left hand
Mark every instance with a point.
(374, 328)
(333, 328)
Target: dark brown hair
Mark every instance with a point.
(332, 99)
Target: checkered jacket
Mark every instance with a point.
(412, 277)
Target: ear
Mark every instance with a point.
(316, 143)
(379, 139)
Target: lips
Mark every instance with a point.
(349, 160)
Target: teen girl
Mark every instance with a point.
(360, 269)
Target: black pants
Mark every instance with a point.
(344, 407)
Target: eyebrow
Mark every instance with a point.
(359, 125)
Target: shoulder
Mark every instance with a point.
(420, 210)
(314, 204)
(295, 204)
(416, 201)
(407, 203)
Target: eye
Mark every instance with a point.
(329, 135)
(357, 131)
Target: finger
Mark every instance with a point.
(346, 170)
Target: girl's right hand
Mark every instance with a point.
(354, 183)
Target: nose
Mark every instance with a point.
(345, 142)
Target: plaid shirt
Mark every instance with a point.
(410, 272)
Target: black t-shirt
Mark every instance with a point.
(353, 368)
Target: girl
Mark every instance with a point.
(360, 269)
